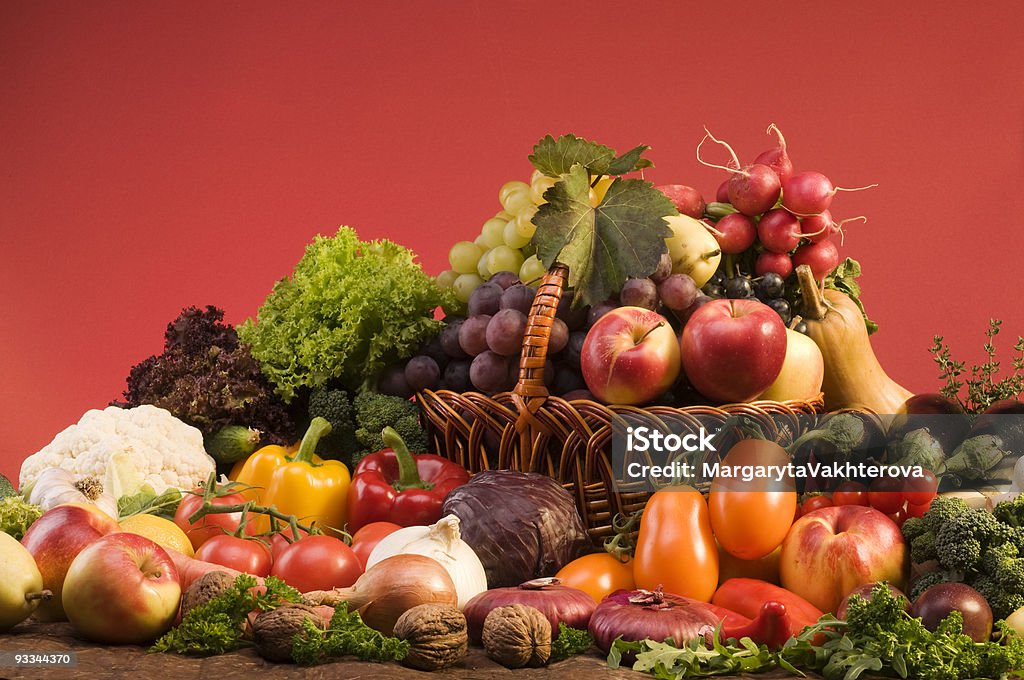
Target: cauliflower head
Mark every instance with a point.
(127, 449)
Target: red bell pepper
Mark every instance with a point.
(393, 485)
(747, 596)
(771, 627)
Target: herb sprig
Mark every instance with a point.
(570, 642)
(983, 388)
(347, 635)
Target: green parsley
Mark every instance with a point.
(216, 626)
(570, 642)
(347, 635)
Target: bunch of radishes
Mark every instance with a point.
(767, 210)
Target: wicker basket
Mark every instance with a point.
(528, 430)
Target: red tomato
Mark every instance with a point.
(598, 575)
(367, 538)
(211, 525)
(920, 490)
(886, 494)
(899, 517)
(317, 563)
(850, 493)
(282, 539)
(244, 554)
(816, 502)
(917, 509)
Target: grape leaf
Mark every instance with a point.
(624, 236)
(556, 157)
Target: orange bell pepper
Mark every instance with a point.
(302, 484)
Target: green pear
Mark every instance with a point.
(21, 584)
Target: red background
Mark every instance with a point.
(159, 155)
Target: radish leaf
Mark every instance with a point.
(624, 236)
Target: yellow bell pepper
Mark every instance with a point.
(300, 484)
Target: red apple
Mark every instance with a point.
(630, 356)
(830, 552)
(55, 539)
(733, 350)
(122, 589)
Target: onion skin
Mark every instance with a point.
(636, 615)
(393, 586)
(558, 603)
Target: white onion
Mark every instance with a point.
(443, 542)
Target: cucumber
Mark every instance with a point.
(232, 443)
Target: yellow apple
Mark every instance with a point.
(802, 372)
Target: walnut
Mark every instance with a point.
(205, 588)
(436, 634)
(516, 635)
(274, 630)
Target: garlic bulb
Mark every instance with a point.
(443, 542)
(55, 486)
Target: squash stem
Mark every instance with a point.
(813, 301)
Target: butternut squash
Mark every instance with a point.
(853, 376)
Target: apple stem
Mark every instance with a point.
(42, 595)
(649, 331)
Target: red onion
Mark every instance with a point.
(560, 604)
(636, 615)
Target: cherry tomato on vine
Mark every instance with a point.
(850, 493)
(217, 524)
(317, 563)
(282, 539)
(921, 490)
(816, 502)
(243, 554)
(886, 494)
(917, 509)
(598, 575)
(367, 538)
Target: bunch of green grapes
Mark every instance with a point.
(504, 243)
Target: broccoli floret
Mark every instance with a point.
(958, 542)
(375, 411)
(1010, 512)
(1002, 601)
(335, 407)
(922, 548)
(913, 527)
(926, 581)
(1005, 566)
(942, 509)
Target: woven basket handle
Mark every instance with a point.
(530, 393)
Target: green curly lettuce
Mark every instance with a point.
(348, 310)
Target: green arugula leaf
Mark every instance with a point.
(623, 237)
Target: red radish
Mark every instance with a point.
(722, 195)
(810, 192)
(777, 159)
(687, 200)
(822, 257)
(779, 231)
(752, 189)
(779, 263)
(819, 227)
(735, 233)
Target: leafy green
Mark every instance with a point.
(16, 515)
(7, 488)
(844, 279)
(624, 236)
(347, 635)
(982, 387)
(696, 660)
(148, 502)
(570, 642)
(215, 627)
(556, 157)
(880, 637)
(349, 309)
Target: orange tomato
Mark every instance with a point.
(676, 549)
(598, 575)
(764, 569)
(751, 517)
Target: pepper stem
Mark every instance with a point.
(408, 475)
(318, 427)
